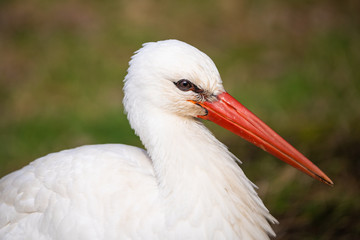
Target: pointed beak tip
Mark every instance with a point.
(326, 180)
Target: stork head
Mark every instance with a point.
(168, 74)
(176, 78)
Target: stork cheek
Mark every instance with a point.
(196, 110)
(187, 109)
(200, 111)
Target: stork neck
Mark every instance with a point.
(180, 148)
(197, 176)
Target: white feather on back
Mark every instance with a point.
(82, 193)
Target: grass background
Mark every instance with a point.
(296, 64)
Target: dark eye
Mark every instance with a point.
(184, 85)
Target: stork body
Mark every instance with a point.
(187, 185)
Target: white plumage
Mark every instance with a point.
(186, 186)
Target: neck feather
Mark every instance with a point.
(198, 176)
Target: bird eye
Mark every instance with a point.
(184, 85)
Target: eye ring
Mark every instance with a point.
(184, 85)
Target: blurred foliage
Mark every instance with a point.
(294, 63)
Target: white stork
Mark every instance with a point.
(186, 185)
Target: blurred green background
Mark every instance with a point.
(296, 64)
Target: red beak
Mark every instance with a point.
(232, 115)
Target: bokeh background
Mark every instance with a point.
(295, 63)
